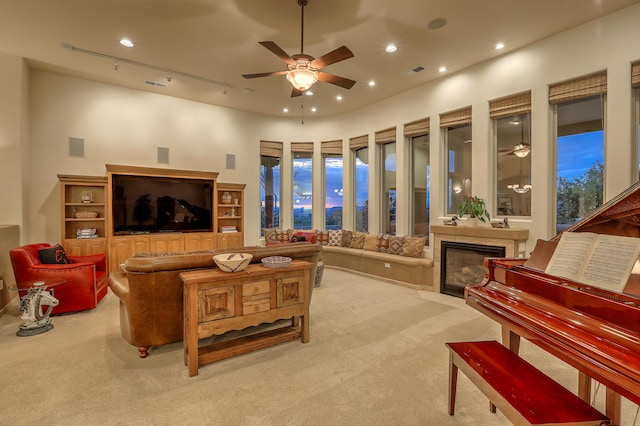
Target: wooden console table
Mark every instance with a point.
(216, 302)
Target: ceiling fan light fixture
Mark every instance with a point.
(302, 78)
(521, 150)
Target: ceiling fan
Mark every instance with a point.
(521, 149)
(304, 70)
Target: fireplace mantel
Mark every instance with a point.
(513, 240)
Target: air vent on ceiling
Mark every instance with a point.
(155, 83)
(417, 69)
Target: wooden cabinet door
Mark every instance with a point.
(95, 246)
(138, 245)
(119, 252)
(74, 247)
(208, 242)
(167, 243)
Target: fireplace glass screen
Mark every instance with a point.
(463, 264)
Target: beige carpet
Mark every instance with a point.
(376, 357)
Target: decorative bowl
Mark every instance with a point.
(232, 262)
(276, 262)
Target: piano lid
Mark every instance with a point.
(618, 216)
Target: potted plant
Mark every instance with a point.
(475, 208)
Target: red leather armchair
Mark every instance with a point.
(85, 279)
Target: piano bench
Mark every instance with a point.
(524, 394)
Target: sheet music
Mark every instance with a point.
(600, 260)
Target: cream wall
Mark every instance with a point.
(13, 138)
(123, 126)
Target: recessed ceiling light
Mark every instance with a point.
(499, 46)
(391, 48)
(308, 93)
(126, 42)
(339, 97)
(442, 69)
(313, 109)
(372, 83)
(285, 109)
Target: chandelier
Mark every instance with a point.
(521, 150)
(520, 189)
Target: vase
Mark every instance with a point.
(472, 222)
(226, 198)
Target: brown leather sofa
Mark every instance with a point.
(150, 289)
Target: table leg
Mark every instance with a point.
(612, 409)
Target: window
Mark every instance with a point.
(635, 83)
(270, 157)
(420, 183)
(385, 139)
(302, 185)
(360, 150)
(332, 158)
(579, 147)
(456, 126)
(512, 133)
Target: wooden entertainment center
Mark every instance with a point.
(87, 215)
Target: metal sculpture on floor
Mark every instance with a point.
(31, 304)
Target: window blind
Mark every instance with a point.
(417, 128)
(582, 87)
(456, 118)
(271, 149)
(331, 147)
(359, 142)
(301, 146)
(510, 105)
(386, 136)
(635, 75)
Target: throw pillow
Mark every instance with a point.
(283, 236)
(323, 237)
(297, 238)
(383, 243)
(335, 238)
(53, 255)
(346, 238)
(270, 236)
(310, 236)
(370, 242)
(413, 246)
(395, 245)
(357, 240)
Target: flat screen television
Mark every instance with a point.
(153, 204)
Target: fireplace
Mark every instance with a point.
(463, 264)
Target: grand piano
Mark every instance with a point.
(595, 330)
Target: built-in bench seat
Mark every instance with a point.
(414, 272)
(522, 393)
(399, 260)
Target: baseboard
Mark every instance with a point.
(13, 304)
(379, 278)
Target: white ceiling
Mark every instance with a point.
(218, 41)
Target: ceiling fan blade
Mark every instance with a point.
(264, 74)
(340, 54)
(334, 79)
(295, 92)
(274, 48)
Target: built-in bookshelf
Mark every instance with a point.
(230, 214)
(83, 214)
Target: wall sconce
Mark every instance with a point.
(457, 189)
